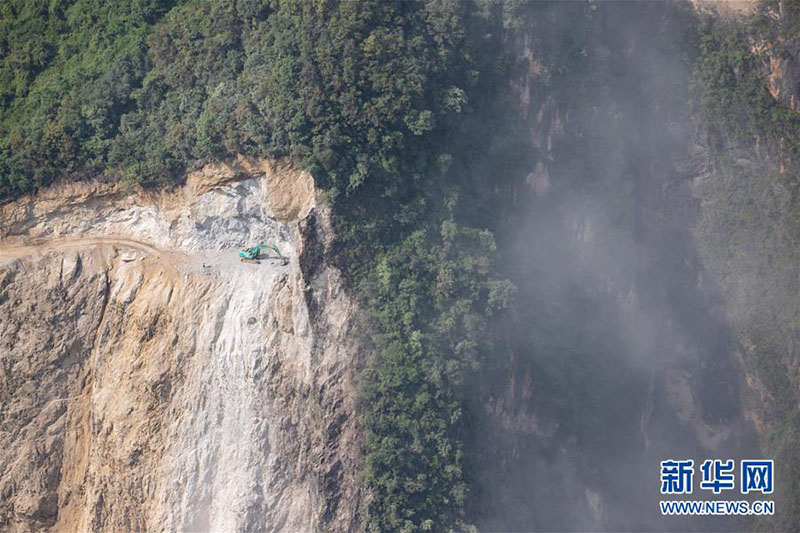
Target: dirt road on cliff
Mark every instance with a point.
(130, 249)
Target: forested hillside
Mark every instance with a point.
(370, 97)
(144, 90)
(410, 117)
(749, 235)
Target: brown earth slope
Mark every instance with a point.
(149, 380)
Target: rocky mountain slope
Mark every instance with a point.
(149, 380)
(572, 229)
(659, 281)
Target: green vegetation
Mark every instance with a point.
(749, 232)
(415, 457)
(69, 72)
(144, 91)
(731, 96)
(370, 96)
(400, 111)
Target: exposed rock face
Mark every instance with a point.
(783, 78)
(780, 51)
(149, 380)
(631, 359)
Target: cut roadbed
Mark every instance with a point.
(129, 249)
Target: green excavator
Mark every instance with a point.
(252, 254)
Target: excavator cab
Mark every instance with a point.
(251, 255)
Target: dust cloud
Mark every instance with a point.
(618, 355)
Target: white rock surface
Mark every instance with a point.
(149, 380)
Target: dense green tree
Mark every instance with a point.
(371, 97)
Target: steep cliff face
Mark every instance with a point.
(783, 56)
(621, 351)
(748, 236)
(658, 272)
(149, 380)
